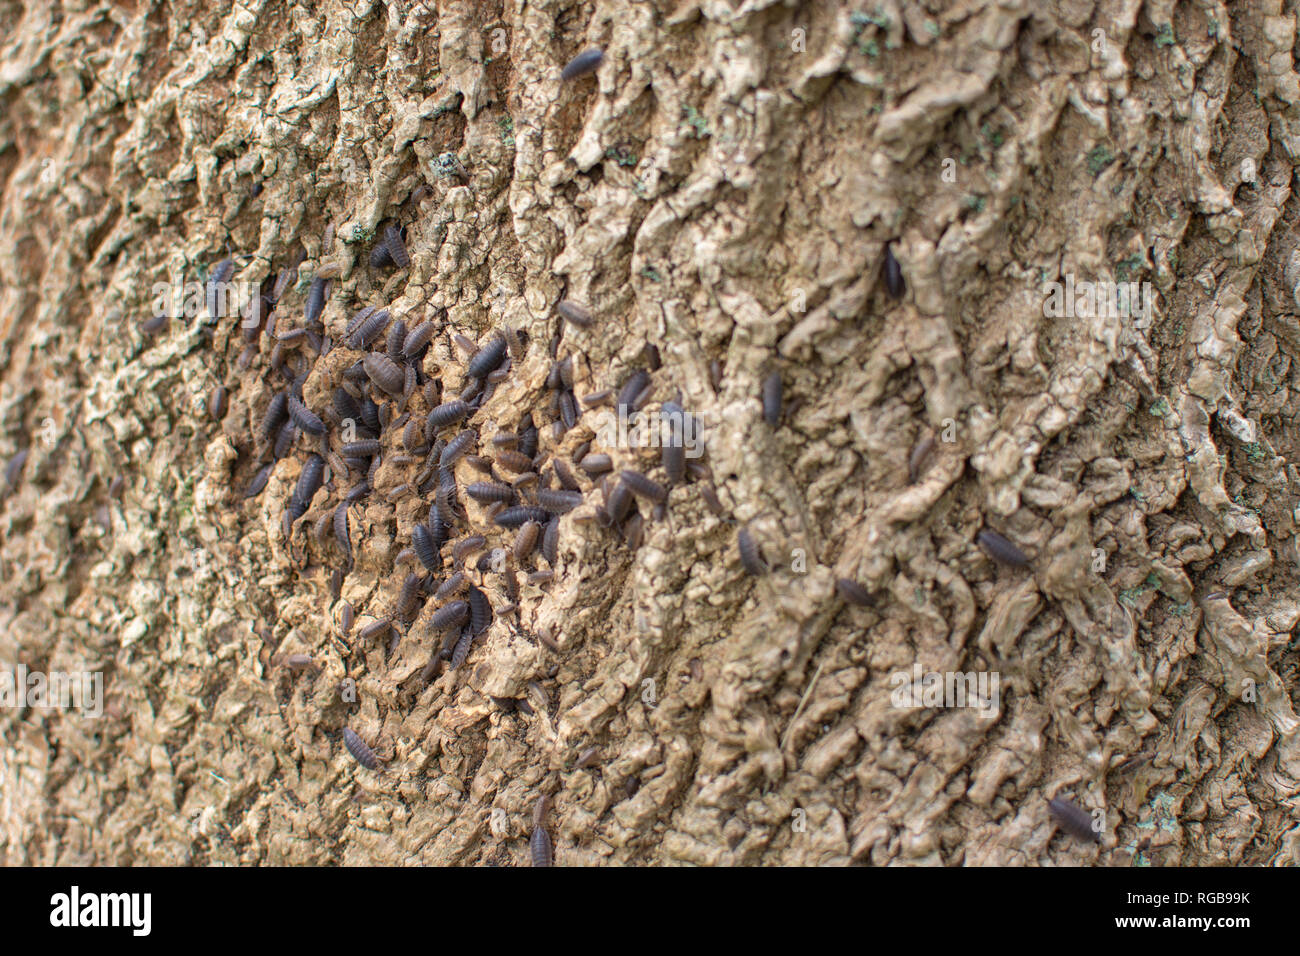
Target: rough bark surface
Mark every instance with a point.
(724, 186)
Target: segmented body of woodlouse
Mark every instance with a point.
(466, 546)
(487, 358)
(315, 301)
(452, 586)
(526, 540)
(452, 615)
(551, 542)
(385, 373)
(480, 611)
(448, 414)
(490, 491)
(632, 389)
(643, 486)
(461, 651)
(917, 459)
(408, 599)
(277, 410)
(359, 750)
(369, 329)
(893, 275)
(1000, 549)
(558, 502)
(854, 593)
(304, 417)
(514, 461)
(539, 845)
(309, 481)
(750, 556)
(1073, 819)
(672, 452)
(217, 399)
(772, 399)
(341, 530)
(374, 630)
(259, 481)
(573, 312)
(396, 247)
(457, 447)
(585, 62)
(619, 503)
(363, 448)
(418, 338)
(515, 517)
(426, 550)
(596, 464)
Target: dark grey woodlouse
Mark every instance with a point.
(772, 399)
(467, 546)
(487, 358)
(373, 630)
(1000, 549)
(369, 329)
(422, 543)
(575, 313)
(456, 447)
(490, 491)
(526, 540)
(217, 403)
(539, 845)
(277, 410)
(750, 556)
(854, 593)
(643, 486)
(1073, 819)
(359, 750)
(551, 542)
(565, 476)
(447, 414)
(364, 448)
(558, 502)
(341, 530)
(304, 417)
(385, 373)
(315, 300)
(480, 611)
(585, 62)
(418, 338)
(893, 275)
(461, 651)
(596, 464)
(632, 389)
(515, 517)
(396, 247)
(619, 503)
(452, 586)
(514, 461)
(452, 615)
(259, 481)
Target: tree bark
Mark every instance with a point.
(727, 187)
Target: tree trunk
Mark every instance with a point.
(728, 186)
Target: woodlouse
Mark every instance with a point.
(573, 312)
(315, 300)
(418, 338)
(596, 464)
(772, 399)
(385, 373)
(893, 274)
(585, 62)
(551, 542)
(304, 417)
(1000, 549)
(487, 358)
(1073, 819)
(359, 750)
(917, 459)
(456, 447)
(369, 329)
(514, 517)
(558, 502)
(490, 491)
(217, 403)
(750, 556)
(643, 486)
(447, 414)
(853, 592)
(396, 247)
(452, 615)
(425, 549)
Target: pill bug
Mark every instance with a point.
(277, 410)
(359, 750)
(425, 549)
(750, 556)
(309, 480)
(418, 338)
(551, 542)
(539, 845)
(461, 650)
(467, 546)
(217, 403)
(589, 757)
(569, 413)
(1073, 819)
(396, 247)
(385, 373)
(373, 630)
(487, 358)
(517, 516)
(380, 257)
(526, 540)
(603, 397)
(346, 617)
(259, 481)
(451, 615)
(585, 62)
(558, 502)
(304, 417)
(917, 459)
(1000, 549)
(315, 300)
(564, 475)
(643, 486)
(341, 530)
(853, 592)
(893, 274)
(362, 448)
(408, 599)
(672, 452)
(457, 447)
(772, 399)
(514, 461)
(490, 491)
(395, 342)
(596, 464)
(447, 414)
(572, 312)
(480, 611)
(619, 503)
(632, 388)
(369, 329)
(452, 586)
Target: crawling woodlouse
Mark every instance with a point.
(217, 400)
(772, 399)
(467, 546)
(457, 447)
(571, 311)
(558, 502)
(385, 373)
(1073, 819)
(304, 417)
(917, 459)
(369, 329)
(490, 491)
(596, 464)
(374, 630)
(585, 62)
(643, 486)
(259, 481)
(564, 475)
(514, 461)
(359, 749)
(396, 247)
(514, 517)
(452, 586)
(461, 651)
(341, 530)
(451, 615)
(632, 389)
(619, 503)
(315, 300)
(277, 410)
(539, 845)
(893, 274)
(487, 358)
(526, 540)
(750, 556)
(551, 542)
(363, 448)
(480, 611)
(1000, 549)
(425, 549)
(418, 338)
(853, 592)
